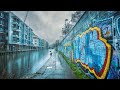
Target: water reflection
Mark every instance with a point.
(19, 64)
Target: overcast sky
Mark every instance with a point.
(46, 24)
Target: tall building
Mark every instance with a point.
(3, 30)
(19, 34)
(14, 32)
(40, 43)
(36, 40)
(46, 44)
(16, 35)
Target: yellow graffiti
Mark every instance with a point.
(108, 32)
(67, 44)
(108, 46)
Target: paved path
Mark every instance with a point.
(55, 68)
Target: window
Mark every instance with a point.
(14, 25)
(18, 27)
(118, 22)
(15, 33)
(1, 22)
(15, 39)
(26, 36)
(14, 19)
(1, 14)
(1, 38)
(1, 29)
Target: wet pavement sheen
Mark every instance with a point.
(54, 68)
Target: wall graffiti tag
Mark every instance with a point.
(93, 52)
(106, 27)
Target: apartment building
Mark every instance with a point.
(3, 30)
(15, 34)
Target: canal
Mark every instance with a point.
(14, 66)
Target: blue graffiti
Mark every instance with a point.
(90, 50)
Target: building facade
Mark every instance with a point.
(3, 30)
(15, 35)
(36, 41)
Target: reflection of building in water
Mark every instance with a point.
(4, 74)
(16, 65)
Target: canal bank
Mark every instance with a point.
(16, 65)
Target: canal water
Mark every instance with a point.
(15, 66)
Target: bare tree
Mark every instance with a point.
(76, 16)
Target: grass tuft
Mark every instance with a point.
(78, 73)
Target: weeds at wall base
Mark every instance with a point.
(78, 73)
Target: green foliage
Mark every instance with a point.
(78, 73)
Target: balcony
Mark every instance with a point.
(16, 36)
(1, 24)
(16, 30)
(16, 42)
(15, 22)
(2, 32)
(2, 17)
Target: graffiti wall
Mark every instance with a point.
(94, 52)
(95, 48)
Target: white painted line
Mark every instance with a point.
(49, 67)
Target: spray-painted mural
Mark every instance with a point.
(95, 49)
(94, 52)
(106, 27)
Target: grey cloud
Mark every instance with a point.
(46, 24)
